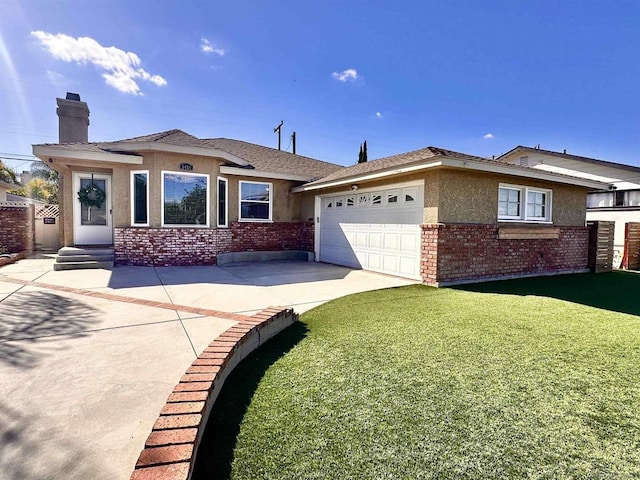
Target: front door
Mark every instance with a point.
(92, 216)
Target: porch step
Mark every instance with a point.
(74, 258)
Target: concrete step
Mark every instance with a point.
(67, 251)
(84, 258)
(81, 265)
(74, 258)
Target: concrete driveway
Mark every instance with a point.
(88, 357)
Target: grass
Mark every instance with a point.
(492, 381)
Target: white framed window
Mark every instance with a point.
(255, 201)
(524, 204)
(185, 199)
(392, 197)
(363, 200)
(339, 202)
(376, 198)
(223, 202)
(140, 198)
(350, 201)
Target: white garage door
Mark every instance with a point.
(375, 230)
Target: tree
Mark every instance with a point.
(7, 174)
(43, 184)
(362, 156)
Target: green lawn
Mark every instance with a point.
(497, 380)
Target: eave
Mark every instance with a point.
(44, 152)
(248, 172)
(469, 164)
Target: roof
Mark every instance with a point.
(430, 157)
(256, 158)
(271, 160)
(8, 185)
(595, 161)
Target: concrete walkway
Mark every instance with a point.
(88, 357)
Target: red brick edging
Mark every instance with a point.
(172, 445)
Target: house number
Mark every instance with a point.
(186, 166)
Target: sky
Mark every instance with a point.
(476, 76)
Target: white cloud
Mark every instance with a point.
(348, 74)
(122, 68)
(56, 79)
(488, 136)
(379, 115)
(207, 47)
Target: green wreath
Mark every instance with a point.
(91, 195)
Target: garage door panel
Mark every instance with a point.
(362, 239)
(381, 237)
(391, 241)
(375, 240)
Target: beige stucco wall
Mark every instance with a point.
(463, 196)
(472, 197)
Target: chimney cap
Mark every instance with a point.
(73, 96)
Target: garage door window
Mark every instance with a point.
(376, 199)
(392, 196)
(410, 195)
(351, 201)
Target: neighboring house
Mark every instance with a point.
(619, 203)
(433, 215)
(4, 189)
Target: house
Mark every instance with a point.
(4, 190)
(619, 202)
(433, 215)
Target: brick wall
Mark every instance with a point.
(200, 246)
(16, 228)
(631, 257)
(453, 253)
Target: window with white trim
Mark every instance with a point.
(524, 204)
(140, 198)
(185, 199)
(255, 201)
(223, 202)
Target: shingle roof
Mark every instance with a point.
(271, 160)
(170, 137)
(403, 159)
(259, 157)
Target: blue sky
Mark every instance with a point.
(474, 76)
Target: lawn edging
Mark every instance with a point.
(171, 447)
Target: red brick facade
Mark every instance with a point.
(453, 253)
(201, 246)
(17, 228)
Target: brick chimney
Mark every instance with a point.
(73, 119)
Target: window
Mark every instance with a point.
(392, 196)
(140, 198)
(339, 202)
(363, 199)
(185, 197)
(255, 201)
(524, 204)
(600, 200)
(351, 201)
(615, 199)
(536, 205)
(376, 199)
(410, 195)
(223, 202)
(509, 203)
